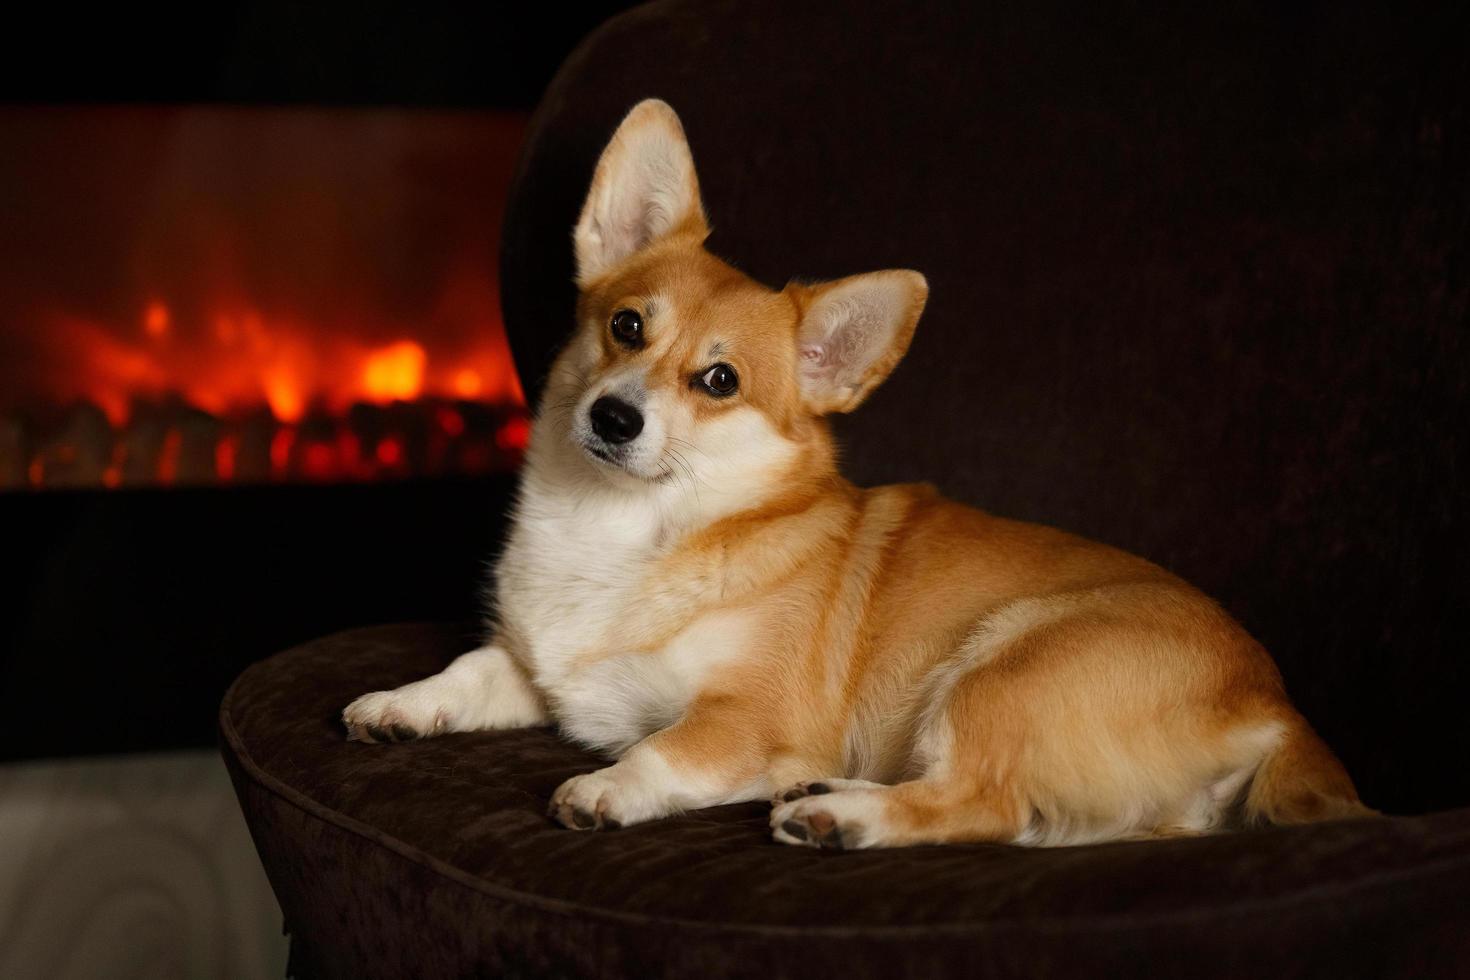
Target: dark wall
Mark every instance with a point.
(498, 55)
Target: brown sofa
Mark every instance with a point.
(1199, 289)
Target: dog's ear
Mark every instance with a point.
(644, 189)
(852, 333)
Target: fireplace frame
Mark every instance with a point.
(129, 611)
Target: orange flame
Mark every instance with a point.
(466, 383)
(283, 394)
(395, 372)
(238, 289)
(156, 320)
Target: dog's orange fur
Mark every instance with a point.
(1118, 684)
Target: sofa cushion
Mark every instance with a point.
(436, 858)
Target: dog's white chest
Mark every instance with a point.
(571, 573)
(570, 568)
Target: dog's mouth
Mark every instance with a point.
(604, 456)
(615, 460)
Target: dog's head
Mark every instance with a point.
(685, 371)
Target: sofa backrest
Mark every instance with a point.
(1198, 289)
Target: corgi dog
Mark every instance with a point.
(691, 588)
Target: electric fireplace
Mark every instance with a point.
(254, 386)
(245, 295)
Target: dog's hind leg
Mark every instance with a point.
(922, 811)
(820, 787)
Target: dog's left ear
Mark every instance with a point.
(853, 332)
(644, 189)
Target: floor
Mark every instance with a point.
(132, 866)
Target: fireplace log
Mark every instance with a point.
(199, 435)
(78, 454)
(253, 452)
(15, 453)
(142, 449)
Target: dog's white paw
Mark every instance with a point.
(589, 802)
(829, 816)
(413, 711)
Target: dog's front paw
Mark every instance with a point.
(395, 716)
(588, 802)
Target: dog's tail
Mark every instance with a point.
(1301, 781)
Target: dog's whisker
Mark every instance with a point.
(576, 375)
(689, 468)
(682, 466)
(689, 445)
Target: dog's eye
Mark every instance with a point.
(627, 328)
(720, 380)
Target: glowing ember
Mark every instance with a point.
(514, 435)
(390, 453)
(281, 450)
(168, 461)
(450, 421)
(224, 458)
(321, 461)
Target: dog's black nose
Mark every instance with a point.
(615, 420)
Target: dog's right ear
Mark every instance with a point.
(644, 189)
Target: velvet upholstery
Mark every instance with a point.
(1199, 290)
(436, 859)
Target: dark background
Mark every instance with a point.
(125, 614)
(482, 55)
